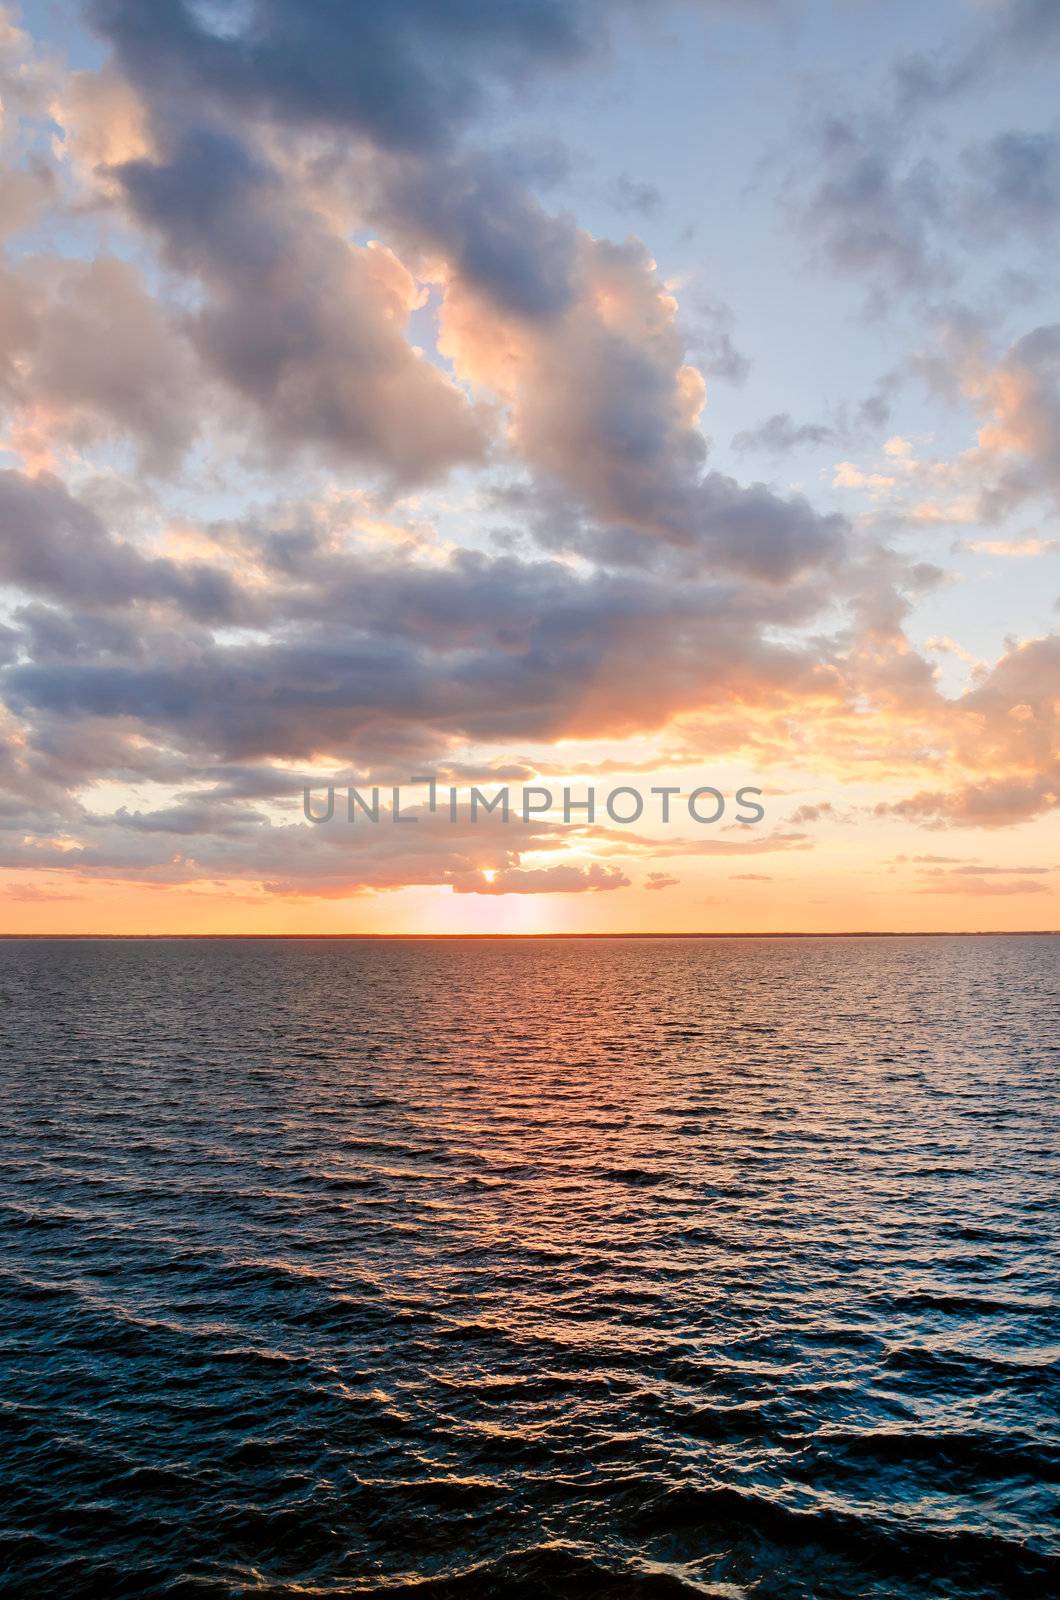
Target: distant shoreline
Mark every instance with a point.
(420, 938)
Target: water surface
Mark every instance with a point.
(640, 1267)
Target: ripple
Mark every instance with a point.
(635, 1268)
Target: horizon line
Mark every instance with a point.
(837, 933)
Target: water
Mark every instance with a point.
(543, 1268)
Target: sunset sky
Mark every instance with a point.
(541, 392)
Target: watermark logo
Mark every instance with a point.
(623, 806)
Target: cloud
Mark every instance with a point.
(876, 191)
(811, 813)
(1019, 400)
(984, 886)
(711, 342)
(988, 803)
(1024, 27)
(475, 211)
(779, 435)
(872, 213)
(876, 208)
(479, 648)
(1002, 737)
(36, 894)
(202, 839)
(1014, 395)
(575, 337)
(1013, 183)
(978, 869)
(203, 833)
(1030, 546)
(53, 545)
(931, 859)
(105, 123)
(563, 878)
(602, 404)
(409, 76)
(305, 326)
(945, 646)
(629, 194)
(90, 354)
(329, 282)
(744, 846)
(849, 476)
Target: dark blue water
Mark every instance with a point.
(648, 1268)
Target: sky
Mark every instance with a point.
(557, 394)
